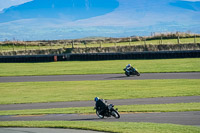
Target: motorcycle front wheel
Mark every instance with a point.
(100, 116)
(138, 74)
(115, 114)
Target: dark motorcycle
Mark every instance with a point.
(131, 71)
(110, 111)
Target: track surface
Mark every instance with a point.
(190, 75)
(159, 100)
(184, 118)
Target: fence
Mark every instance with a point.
(101, 56)
(30, 48)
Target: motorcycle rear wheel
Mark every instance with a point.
(100, 116)
(127, 74)
(115, 114)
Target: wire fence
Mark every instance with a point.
(15, 46)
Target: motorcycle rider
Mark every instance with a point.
(129, 67)
(101, 105)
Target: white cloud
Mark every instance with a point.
(192, 0)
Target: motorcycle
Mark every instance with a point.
(131, 71)
(110, 111)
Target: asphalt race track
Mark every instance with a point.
(159, 100)
(183, 118)
(191, 75)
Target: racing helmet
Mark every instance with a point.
(96, 99)
(128, 65)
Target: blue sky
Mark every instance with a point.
(70, 19)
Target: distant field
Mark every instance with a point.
(99, 67)
(35, 46)
(155, 42)
(33, 92)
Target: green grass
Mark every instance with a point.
(175, 107)
(33, 92)
(99, 67)
(114, 127)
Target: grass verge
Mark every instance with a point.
(114, 127)
(33, 92)
(99, 67)
(177, 107)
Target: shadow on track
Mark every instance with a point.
(86, 119)
(120, 77)
(132, 77)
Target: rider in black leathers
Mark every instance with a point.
(101, 105)
(129, 67)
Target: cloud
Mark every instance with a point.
(187, 4)
(192, 0)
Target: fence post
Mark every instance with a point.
(130, 41)
(161, 41)
(13, 47)
(195, 39)
(39, 46)
(85, 44)
(73, 44)
(178, 40)
(115, 44)
(64, 44)
(145, 41)
(1, 48)
(25, 48)
(50, 45)
(100, 44)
